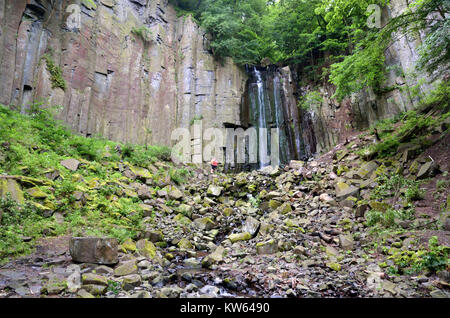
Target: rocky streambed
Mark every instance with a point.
(294, 232)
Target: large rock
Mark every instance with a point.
(367, 169)
(239, 237)
(346, 242)
(126, 268)
(267, 247)
(146, 248)
(175, 193)
(95, 279)
(204, 224)
(94, 250)
(214, 190)
(428, 170)
(214, 258)
(13, 188)
(251, 226)
(344, 190)
(71, 164)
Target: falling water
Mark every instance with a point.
(262, 121)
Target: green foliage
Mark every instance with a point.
(145, 155)
(433, 259)
(179, 176)
(310, 100)
(55, 72)
(413, 126)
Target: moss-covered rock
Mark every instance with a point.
(126, 268)
(334, 266)
(13, 188)
(204, 223)
(184, 243)
(245, 236)
(183, 220)
(146, 248)
(267, 247)
(128, 246)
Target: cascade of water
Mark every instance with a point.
(262, 121)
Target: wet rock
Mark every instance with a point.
(71, 164)
(93, 250)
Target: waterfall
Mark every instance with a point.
(270, 106)
(262, 119)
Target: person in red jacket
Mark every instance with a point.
(214, 164)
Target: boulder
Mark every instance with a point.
(185, 209)
(71, 164)
(251, 226)
(131, 281)
(296, 164)
(126, 268)
(367, 169)
(245, 236)
(204, 224)
(13, 188)
(95, 279)
(94, 250)
(346, 242)
(267, 247)
(344, 190)
(146, 248)
(214, 190)
(214, 258)
(428, 170)
(175, 193)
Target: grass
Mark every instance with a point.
(33, 144)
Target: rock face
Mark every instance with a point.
(118, 84)
(94, 250)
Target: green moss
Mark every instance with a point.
(143, 32)
(55, 71)
(90, 4)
